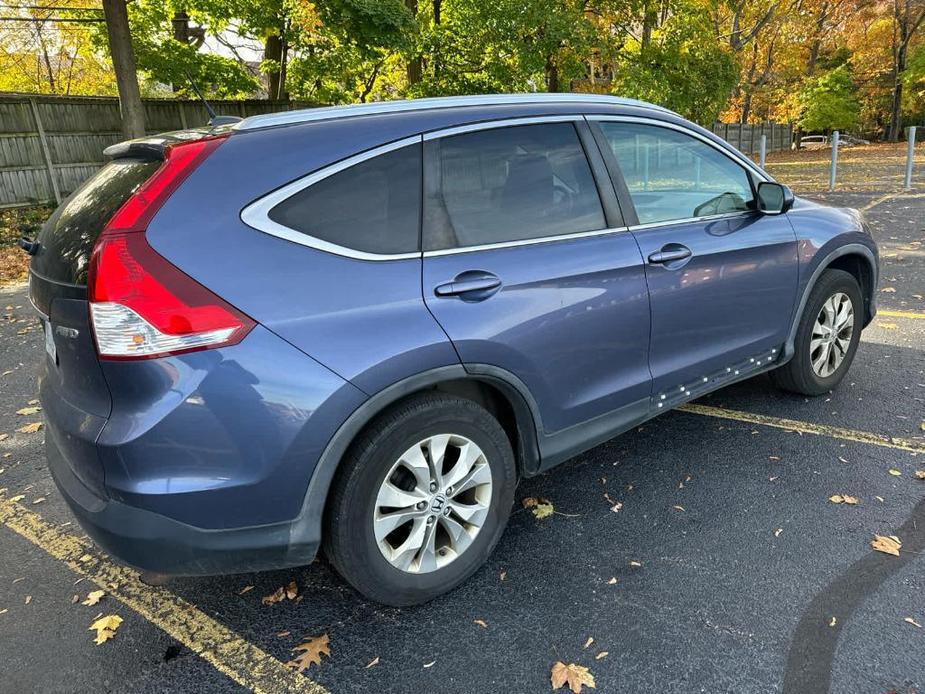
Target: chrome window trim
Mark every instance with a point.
(692, 220)
(495, 124)
(523, 242)
(734, 155)
(429, 104)
(257, 213)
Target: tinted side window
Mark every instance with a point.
(373, 206)
(508, 184)
(671, 175)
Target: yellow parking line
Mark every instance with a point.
(807, 427)
(219, 646)
(900, 314)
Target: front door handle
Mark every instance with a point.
(473, 285)
(671, 253)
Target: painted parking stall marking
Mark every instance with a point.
(222, 648)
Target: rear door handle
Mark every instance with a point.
(472, 284)
(669, 254)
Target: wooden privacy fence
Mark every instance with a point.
(49, 145)
(747, 138)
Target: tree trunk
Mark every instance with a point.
(415, 67)
(649, 20)
(273, 50)
(123, 64)
(552, 74)
(896, 118)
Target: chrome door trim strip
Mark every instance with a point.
(505, 123)
(257, 213)
(524, 242)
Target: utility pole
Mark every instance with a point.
(123, 63)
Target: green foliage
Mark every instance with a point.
(914, 84)
(681, 68)
(828, 102)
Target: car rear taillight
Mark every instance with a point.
(142, 306)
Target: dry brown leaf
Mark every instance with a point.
(844, 499)
(105, 628)
(94, 597)
(920, 474)
(276, 596)
(4, 437)
(896, 473)
(613, 580)
(503, 575)
(888, 290)
(912, 622)
(30, 428)
(75, 599)
(430, 664)
(529, 501)
(635, 563)
(38, 501)
(542, 510)
(18, 497)
(28, 410)
(778, 532)
(283, 634)
(372, 663)
(28, 599)
(833, 622)
(678, 508)
(481, 622)
(573, 675)
(245, 589)
(602, 654)
(886, 544)
(292, 590)
(310, 653)
(588, 642)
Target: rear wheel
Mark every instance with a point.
(827, 337)
(421, 499)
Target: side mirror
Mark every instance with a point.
(774, 198)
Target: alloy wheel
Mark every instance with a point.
(831, 336)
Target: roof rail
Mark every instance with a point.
(332, 112)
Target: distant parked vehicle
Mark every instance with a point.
(851, 140)
(358, 327)
(814, 142)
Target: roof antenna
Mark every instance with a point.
(213, 118)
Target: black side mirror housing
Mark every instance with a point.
(774, 198)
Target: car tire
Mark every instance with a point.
(810, 372)
(387, 457)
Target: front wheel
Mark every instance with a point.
(421, 499)
(827, 337)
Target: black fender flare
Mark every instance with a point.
(305, 529)
(822, 266)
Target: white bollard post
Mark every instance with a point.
(763, 150)
(910, 152)
(834, 161)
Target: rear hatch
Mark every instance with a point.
(73, 389)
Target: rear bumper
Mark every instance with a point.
(152, 542)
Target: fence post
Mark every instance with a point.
(46, 152)
(910, 152)
(834, 160)
(763, 151)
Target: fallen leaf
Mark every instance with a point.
(635, 563)
(887, 545)
(602, 654)
(843, 499)
(773, 457)
(430, 664)
(28, 599)
(574, 675)
(4, 437)
(778, 532)
(920, 474)
(833, 622)
(888, 290)
(543, 510)
(105, 628)
(529, 501)
(276, 596)
(4, 611)
(895, 472)
(612, 581)
(912, 622)
(245, 589)
(503, 575)
(678, 508)
(372, 663)
(75, 599)
(18, 497)
(310, 653)
(588, 642)
(38, 501)
(30, 428)
(93, 597)
(842, 459)
(28, 410)
(283, 634)
(292, 590)
(879, 498)
(481, 622)
(33, 402)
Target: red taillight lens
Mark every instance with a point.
(141, 306)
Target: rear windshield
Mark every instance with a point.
(68, 236)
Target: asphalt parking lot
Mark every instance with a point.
(699, 552)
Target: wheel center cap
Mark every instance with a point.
(437, 503)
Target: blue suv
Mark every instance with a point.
(356, 328)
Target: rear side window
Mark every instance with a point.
(672, 176)
(508, 184)
(373, 206)
(68, 236)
